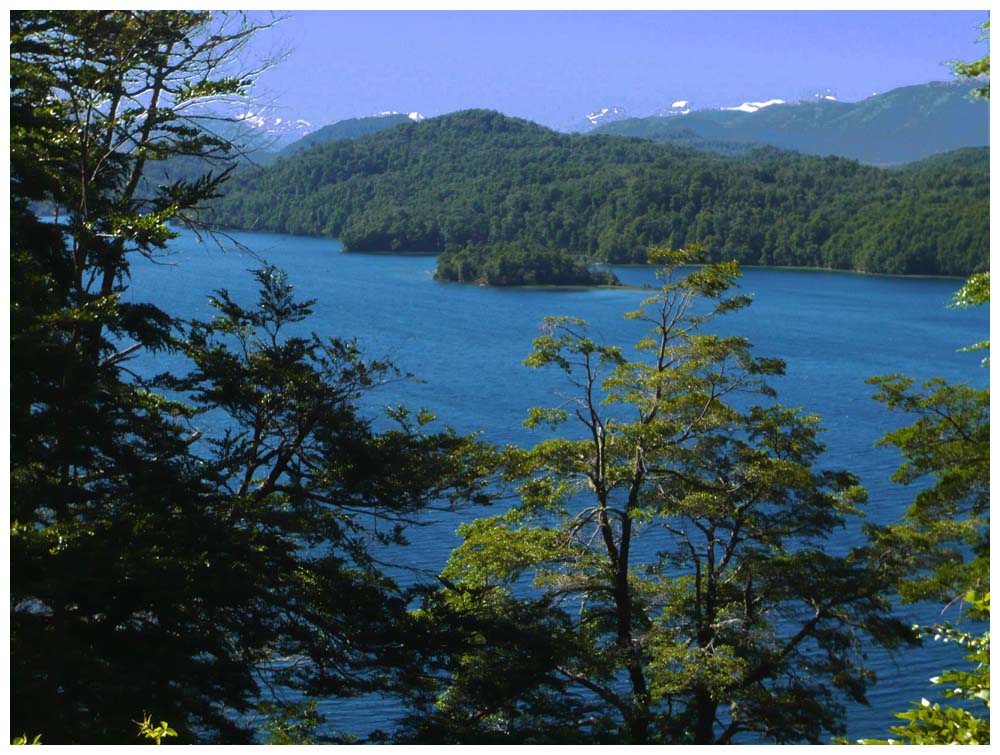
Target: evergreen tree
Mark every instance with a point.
(159, 567)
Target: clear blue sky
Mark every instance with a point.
(553, 67)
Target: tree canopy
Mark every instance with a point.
(181, 543)
(668, 574)
(979, 68)
(186, 547)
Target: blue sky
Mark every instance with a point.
(554, 67)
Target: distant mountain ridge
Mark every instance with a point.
(350, 128)
(601, 117)
(902, 125)
(271, 130)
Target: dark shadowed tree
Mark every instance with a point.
(179, 556)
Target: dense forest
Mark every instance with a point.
(482, 178)
(174, 579)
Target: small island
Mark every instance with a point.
(518, 264)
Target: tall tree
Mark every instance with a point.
(159, 564)
(686, 588)
(942, 543)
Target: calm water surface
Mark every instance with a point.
(466, 344)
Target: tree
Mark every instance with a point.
(942, 542)
(158, 562)
(977, 69)
(944, 537)
(668, 568)
(933, 724)
(95, 457)
(975, 293)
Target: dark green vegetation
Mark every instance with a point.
(158, 575)
(350, 128)
(153, 570)
(482, 179)
(899, 126)
(653, 129)
(518, 264)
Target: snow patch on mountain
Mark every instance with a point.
(677, 107)
(414, 116)
(825, 94)
(606, 115)
(275, 126)
(753, 107)
(257, 121)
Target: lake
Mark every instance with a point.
(466, 345)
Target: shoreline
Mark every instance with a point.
(810, 269)
(790, 268)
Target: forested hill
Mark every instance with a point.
(350, 128)
(475, 181)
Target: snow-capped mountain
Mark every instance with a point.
(606, 115)
(279, 129)
(753, 107)
(678, 107)
(905, 124)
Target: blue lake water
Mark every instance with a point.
(466, 345)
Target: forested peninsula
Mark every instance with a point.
(508, 201)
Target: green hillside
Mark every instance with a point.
(472, 182)
(899, 126)
(350, 128)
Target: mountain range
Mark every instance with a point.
(899, 126)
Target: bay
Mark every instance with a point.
(466, 345)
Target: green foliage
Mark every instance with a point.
(497, 194)
(934, 724)
(975, 293)
(105, 593)
(150, 549)
(667, 565)
(296, 724)
(517, 264)
(23, 740)
(154, 733)
(977, 69)
(941, 548)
